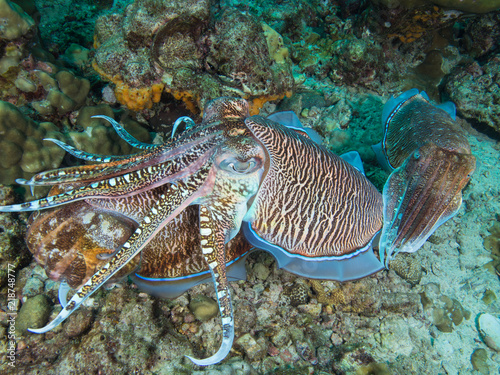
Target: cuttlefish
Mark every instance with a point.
(175, 214)
(431, 162)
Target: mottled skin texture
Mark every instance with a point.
(416, 122)
(70, 241)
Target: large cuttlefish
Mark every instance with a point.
(235, 179)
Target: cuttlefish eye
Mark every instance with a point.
(233, 165)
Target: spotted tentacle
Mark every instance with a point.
(170, 202)
(213, 238)
(130, 183)
(184, 119)
(95, 172)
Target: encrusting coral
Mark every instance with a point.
(64, 92)
(184, 50)
(22, 139)
(16, 28)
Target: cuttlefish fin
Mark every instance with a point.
(173, 287)
(420, 195)
(213, 242)
(393, 103)
(450, 108)
(353, 158)
(378, 149)
(355, 266)
(291, 121)
(170, 203)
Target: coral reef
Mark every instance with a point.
(13, 251)
(472, 6)
(203, 307)
(78, 26)
(343, 64)
(16, 30)
(473, 89)
(407, 267)
(62, 92)
(481, 35)
(99, 137)
(298, 294)
(34, 313)
(180, 48)
(22, 140)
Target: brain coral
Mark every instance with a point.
(181, 48)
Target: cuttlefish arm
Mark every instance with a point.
(220, 220)
(213, 248)
(420, 195)
(239, 165)
(170, 203)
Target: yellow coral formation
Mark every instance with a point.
(192, 103)
(137, 99)
(277, 51)
(134, 98)
(257, 103)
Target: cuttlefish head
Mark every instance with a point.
(431, 162)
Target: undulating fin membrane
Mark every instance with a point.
(173, 262)
(291, 121)
(421, 195)
(358, 265)
(175, 286)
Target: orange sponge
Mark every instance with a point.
(134, 98)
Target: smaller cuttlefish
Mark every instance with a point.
(431, 162)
